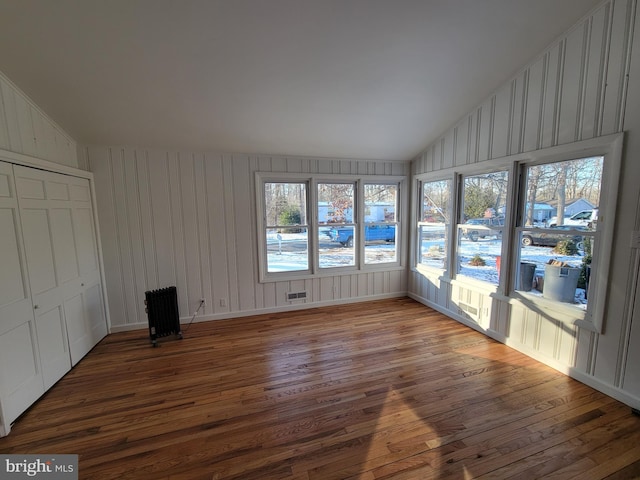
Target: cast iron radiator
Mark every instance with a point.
(162, 312)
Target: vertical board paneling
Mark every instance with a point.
(4, 129)
(550, 103)
(25, 126)
(161, 217)
(230, 230)
(216, 214)
(484, 136)
(101, 167)
(11, 117)
(177, 230)
(204, 259)
(533, 112)
(571, 86)
(244, 232)
(518, 113)
(462, 142)
(448, 149)
(502, 122)
(474, 135)
(616, 67)
(190, 230)
(125, 253)
(189, 220)
(134, 228)
(594, 73)
(148, 246)
(25, 129)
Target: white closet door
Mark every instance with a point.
(21, 381)
(62, 250)
(89, 321)
(47, 226)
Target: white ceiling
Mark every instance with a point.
(376, 79)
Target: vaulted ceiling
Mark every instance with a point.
(376, 79)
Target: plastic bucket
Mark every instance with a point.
(525, 276)
(560, 283)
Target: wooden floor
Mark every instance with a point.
(382, 390)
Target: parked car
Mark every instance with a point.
(550, 239)
(344, 235)
(584, 218)
(476, 228)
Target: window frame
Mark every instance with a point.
(312, 180)
(446, 271)
(610, 147)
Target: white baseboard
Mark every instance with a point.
(299, 305)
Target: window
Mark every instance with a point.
(286, 229)
(316, 226)
(433, 225)
(557, 229)
(335, 220)
(380, 223)
(482, 213)
(537, 228)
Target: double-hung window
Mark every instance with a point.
(536, 228)
(380, 223)
(286, 231)
(436, 202)
(481, 225)
(317, 225)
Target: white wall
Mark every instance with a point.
(577, 89)
(25, 129)
(189, 219)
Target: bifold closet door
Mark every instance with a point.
(21, 381)
(60, 246)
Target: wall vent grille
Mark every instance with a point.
(291, 296)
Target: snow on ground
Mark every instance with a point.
(288, 252)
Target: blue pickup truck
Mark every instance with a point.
(344, 235)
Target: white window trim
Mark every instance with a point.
(444, 274)
(610, 147)
(313, 180)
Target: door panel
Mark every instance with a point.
(86, 240)
(52, 345)
(64, 244)
(39, 251)
(78, 328)
(12, 286)
(94, 311)
(20, 377)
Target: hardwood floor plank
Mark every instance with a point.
(382, 390)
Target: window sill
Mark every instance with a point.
(562, 312)
(330, 272)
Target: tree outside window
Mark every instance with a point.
(481, 225)
(433, 226)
